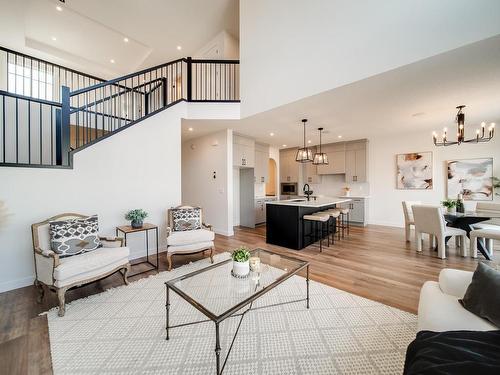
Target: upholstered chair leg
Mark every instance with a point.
(212, 255)
(441, 247)
(61, 293)
(407, 232)
(125, 273)
(40, 290)
(169, 260)
(473, 246)
(463, 243)
(418, 240)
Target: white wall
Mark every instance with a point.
(201, 157)
(222, 46)
(385, 203)
(139, 167)
(291, 49)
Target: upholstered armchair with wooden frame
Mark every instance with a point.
(59, 274)
(190, 241)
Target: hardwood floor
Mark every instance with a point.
(373, 262)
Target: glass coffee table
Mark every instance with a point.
(218, 295)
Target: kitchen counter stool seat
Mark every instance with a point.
(317, 220)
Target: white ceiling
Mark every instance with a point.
(416, 97)
(90, 33)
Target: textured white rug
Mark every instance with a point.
(122, 331)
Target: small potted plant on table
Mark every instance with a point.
(241, 264)
(136, 217)
(451, 205)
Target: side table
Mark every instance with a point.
(127, 229)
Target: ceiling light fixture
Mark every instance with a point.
(283, 145)
(112, 61)
(59, 8)
(125, 40)
(320, 158)
(271, 134)
(190, 129)
(54, 38)
(340, 136)
(304, 154)
(179, 48)
(460, 120)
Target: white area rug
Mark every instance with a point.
(122, 331)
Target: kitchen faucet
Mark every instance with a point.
(307, 191)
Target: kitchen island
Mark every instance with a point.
(284, 220)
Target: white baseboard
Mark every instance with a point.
(224, 233)
(16, 284)
(386, 223)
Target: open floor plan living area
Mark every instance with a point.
(249, 187)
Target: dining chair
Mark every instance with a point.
(430, 220)
(487, 236)
(409, 221)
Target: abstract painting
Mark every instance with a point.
(414, 171)
(473, 178)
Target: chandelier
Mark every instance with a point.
(460, 120)
(304, 154)
(320, 157)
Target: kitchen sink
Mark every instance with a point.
(297, 200)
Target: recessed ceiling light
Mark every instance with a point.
(179, 48)
(112, 61)
(271, 134)
(125, 40)
(284, 145)
(59, 8)
(54, 38)
(340, 136)
(309, 141)
(190, 129)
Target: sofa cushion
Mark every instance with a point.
(483, 294)
(74, 236)
(190, 237)
(82, 264)
(440, 312)
(191, 248)
(186, 218)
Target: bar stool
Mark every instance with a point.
(327, 224)
(343, 223)
(334, 214)
(315, 220)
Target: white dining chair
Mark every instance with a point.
(409, 221)
(430, 220)
(487, 236)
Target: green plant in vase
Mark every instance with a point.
(241, 264)
(450, 204)
(136, 217)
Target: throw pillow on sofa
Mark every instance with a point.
(186, 219)
(482, 297)
(74, 236)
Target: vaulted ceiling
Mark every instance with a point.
(90, 34)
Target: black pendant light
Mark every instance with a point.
(460, 120)
(320, 158)
(304, 154)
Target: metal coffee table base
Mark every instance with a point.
(220, 368)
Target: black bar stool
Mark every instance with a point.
(318, 221)
(334, 215)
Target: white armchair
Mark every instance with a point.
(409, 220)
(184, 240)
(430, 220)
(62, 273)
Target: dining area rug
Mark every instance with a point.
(122, 331)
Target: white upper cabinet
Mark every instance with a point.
(336, 159)
(311, 171)
(289, 168)
(356, 161)
(261, 163)
(243, 152)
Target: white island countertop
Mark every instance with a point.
(303, 202)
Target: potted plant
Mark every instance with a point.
(136, 217)
(450, 205)
(241, 264)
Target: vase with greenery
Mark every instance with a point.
(496, 184)
(241, 264)
(136, 217)
(450, 204)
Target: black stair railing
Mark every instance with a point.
(50, 137)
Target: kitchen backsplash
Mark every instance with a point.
(333, 185)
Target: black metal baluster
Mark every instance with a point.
(51, 135)
(29, 131)
(40, 124)
(17, 131)
(3, 122)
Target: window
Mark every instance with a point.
(28, 81)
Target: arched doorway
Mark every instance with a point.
(272, 177)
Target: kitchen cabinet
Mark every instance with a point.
(261, 163)
(289, 168)
(310, 172)
(336, 159)
(243, 152)
(358, 211)
(355, 161)
(260, 209)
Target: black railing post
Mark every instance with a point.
(63, 129)
(146, 104)
(164, 91)
(189, 79)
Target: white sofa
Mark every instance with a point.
(439, 309)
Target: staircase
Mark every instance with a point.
(43, 133)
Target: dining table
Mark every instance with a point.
(466, 221)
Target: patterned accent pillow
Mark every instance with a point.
(74, 236)
(186, 219)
